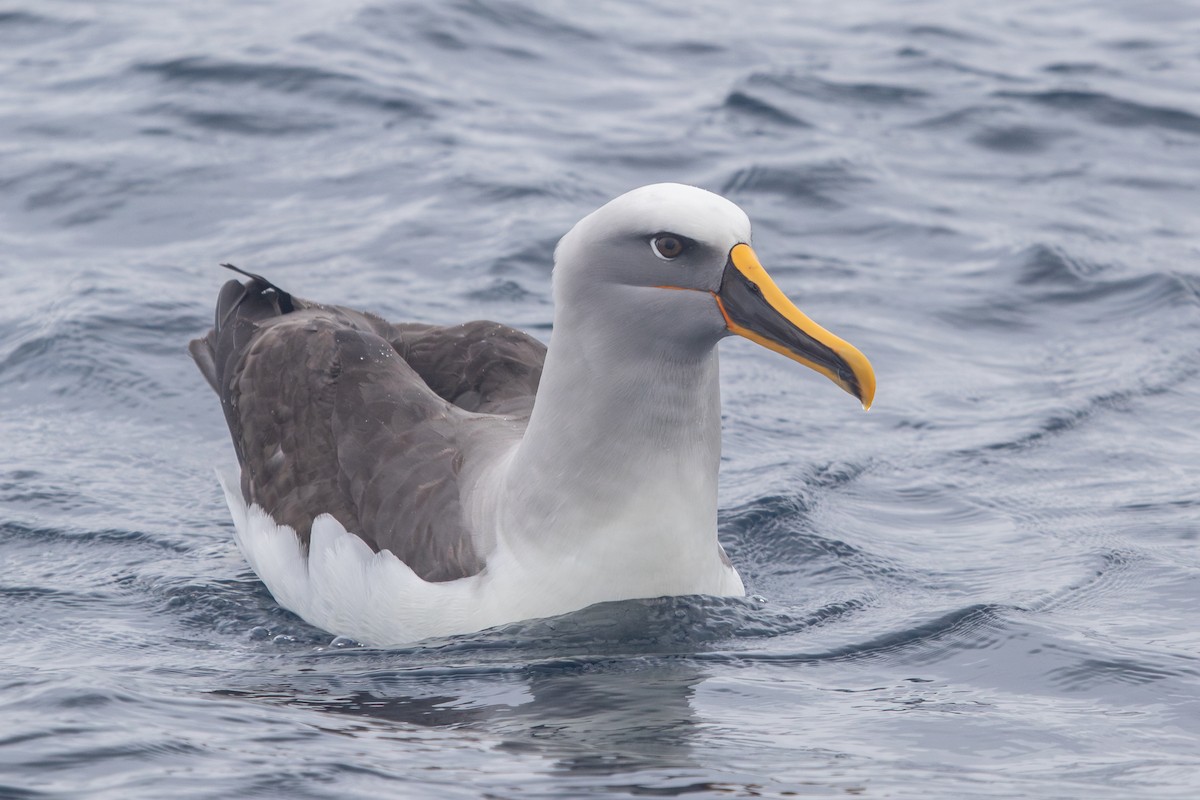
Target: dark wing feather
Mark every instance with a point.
(336, 411)
(478, 366)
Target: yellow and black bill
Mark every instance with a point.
(754, 307)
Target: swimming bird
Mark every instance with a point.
(406, 481)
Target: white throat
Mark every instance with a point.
(617, 470)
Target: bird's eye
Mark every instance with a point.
(667, 245)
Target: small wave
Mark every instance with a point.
(839, 92)
(62, 184)
(1017, 139)
(1112, 111)
(970, 628)
(744, 103)
(137, 754)
(1046, 277)
(285, 79)
(1167, 505)
(1109, 577)
(525, 20)
(1118, 399)
(768, 101)
(24, 28)
(270, 99)
(1079, 68)
(533, 258)
(202, 69)
(241, 608)
(994, 128)
(507, 30)
(1046, 264)
(1089, 673)
(33, 489)
(82, 352)
(501, 291)
(817, 184)
(923, 30)
(59, 598)
(1054, 425)
(967, 116)
(47, 535)
(249, 123)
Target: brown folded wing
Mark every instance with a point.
(336, 411)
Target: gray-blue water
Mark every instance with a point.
(988, 586)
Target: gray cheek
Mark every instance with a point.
(709, 275)
(690, 271)
(697, 272)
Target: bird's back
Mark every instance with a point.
(338, 411)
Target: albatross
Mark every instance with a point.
(401, 481)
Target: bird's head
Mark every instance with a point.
(677, 261)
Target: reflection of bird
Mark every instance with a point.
(485, 478)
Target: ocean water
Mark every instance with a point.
(988, 586)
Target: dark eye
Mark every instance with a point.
(668, 245)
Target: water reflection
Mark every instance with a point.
(599, 718)
(605, 691)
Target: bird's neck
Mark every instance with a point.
(625, 438)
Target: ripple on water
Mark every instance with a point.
(922, 640)
(745, 103)
(1017, 139)
(838, 93)
(265, 78)
(90, 350)
(23, 28)
(996, 129)
(1043, 282)
(906, 31)
(1106, 109)
(821, 184)
(1088, 673)
(83, 537)
(776, 545)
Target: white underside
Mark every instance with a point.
(343, 587)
